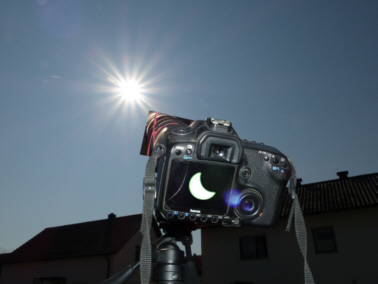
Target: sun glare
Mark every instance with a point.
(130, 90)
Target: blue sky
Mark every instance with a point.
(297, 75)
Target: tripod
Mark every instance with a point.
(171, 266)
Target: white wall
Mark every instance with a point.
(356, 233)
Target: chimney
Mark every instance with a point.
(343, 175)
(111, 216)
(299, 181)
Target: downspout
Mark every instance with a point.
(108, 267)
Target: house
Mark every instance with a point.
(81, 253)
(341, 220)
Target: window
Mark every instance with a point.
(324, 239)
(137, 253)
(253, 248)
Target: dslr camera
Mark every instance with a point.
(207, 174)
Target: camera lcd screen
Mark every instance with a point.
(199, 187)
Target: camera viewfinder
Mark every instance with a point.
(221, 152)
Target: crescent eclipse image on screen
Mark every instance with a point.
(198, 186)
(197, 190)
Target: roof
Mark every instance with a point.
(102, 237)
(334, 195)
(4, 257)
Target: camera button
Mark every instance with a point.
(189, 151)
(203, 218)
(178, 152)
(214, 219)
(275, 160)
(192, 217)
(170, 214)
(245, 173)
(181, 215)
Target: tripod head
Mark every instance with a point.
(172, 266)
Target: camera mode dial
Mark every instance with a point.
(249, 205)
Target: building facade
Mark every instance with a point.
(341, 220)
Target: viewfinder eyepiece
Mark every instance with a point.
(220, 151)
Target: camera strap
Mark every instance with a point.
(299, 225)
(149, 194)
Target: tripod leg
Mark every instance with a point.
(123, 276)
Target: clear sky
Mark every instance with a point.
(301, 76)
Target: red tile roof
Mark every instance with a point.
(100, 237)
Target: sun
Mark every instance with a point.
(129, 90)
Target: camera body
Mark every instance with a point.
(208, 174)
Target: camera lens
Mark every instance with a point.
(250, 204)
